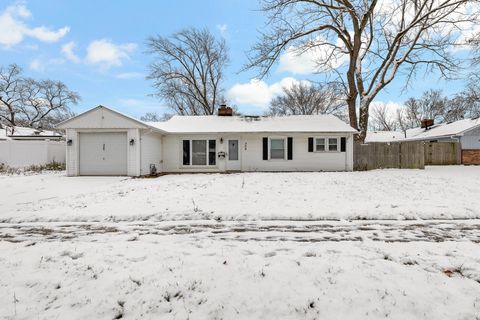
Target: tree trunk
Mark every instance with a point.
(363, 120)
(352, 112)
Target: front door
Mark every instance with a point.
(233, 155)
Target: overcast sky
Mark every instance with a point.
(98, 49)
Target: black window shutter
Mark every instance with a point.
(289, 148)
(186, 152)
(310, 144)
(265, 148)
(343, 144)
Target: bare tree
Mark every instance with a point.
(10, 93)
(308, 98)
(155, 117)
(188, 70)
(434, 105)
(431, 105)
(33, 103)
(402, 122)
(45, 103)
(466, 104)
(377, 39)
(383, 119)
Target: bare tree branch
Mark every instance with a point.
(188, 70)
(379, 40)
(33, 103)
(305, 98)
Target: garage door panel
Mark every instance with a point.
(103, 153)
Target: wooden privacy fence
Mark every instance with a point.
(442, 153)
(379, 155)
(405, 155)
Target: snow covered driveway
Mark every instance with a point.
(434, 193)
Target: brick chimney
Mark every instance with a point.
(427, 123)
(225, 111)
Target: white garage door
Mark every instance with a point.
(103, 153)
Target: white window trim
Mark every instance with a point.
(326, 144)
(284, 148)
(191, 165)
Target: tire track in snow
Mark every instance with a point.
(301, 231)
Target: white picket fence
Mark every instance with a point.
(19, 154)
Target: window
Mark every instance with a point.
(211, 152)
(277, 148)
(199, 152)
(332, 144)
(320, 144)
(326, 144)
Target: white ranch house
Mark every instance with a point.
(102, 141)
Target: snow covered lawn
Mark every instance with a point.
(194, 276)
(242, 246)
(433, 193)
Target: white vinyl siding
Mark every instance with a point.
(250, 157)
(471, 139)
(151, 152)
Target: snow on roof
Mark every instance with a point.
(213, 123)
(456, 128)
(443, 130)
(384, 136)
(24, 131)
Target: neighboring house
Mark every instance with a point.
(3, 135)
(466, 132)
(24, 133)
(102, 141)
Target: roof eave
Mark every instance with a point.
(61, 125)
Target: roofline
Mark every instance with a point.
(457, 134)
(34, 136)
(239, 132)
(433, 137)
(112, 110)
(474, 127)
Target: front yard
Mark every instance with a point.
(242, 246)
(433, 193)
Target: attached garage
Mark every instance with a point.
(103, 153)
(103, 142)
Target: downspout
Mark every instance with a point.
(139, 155)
